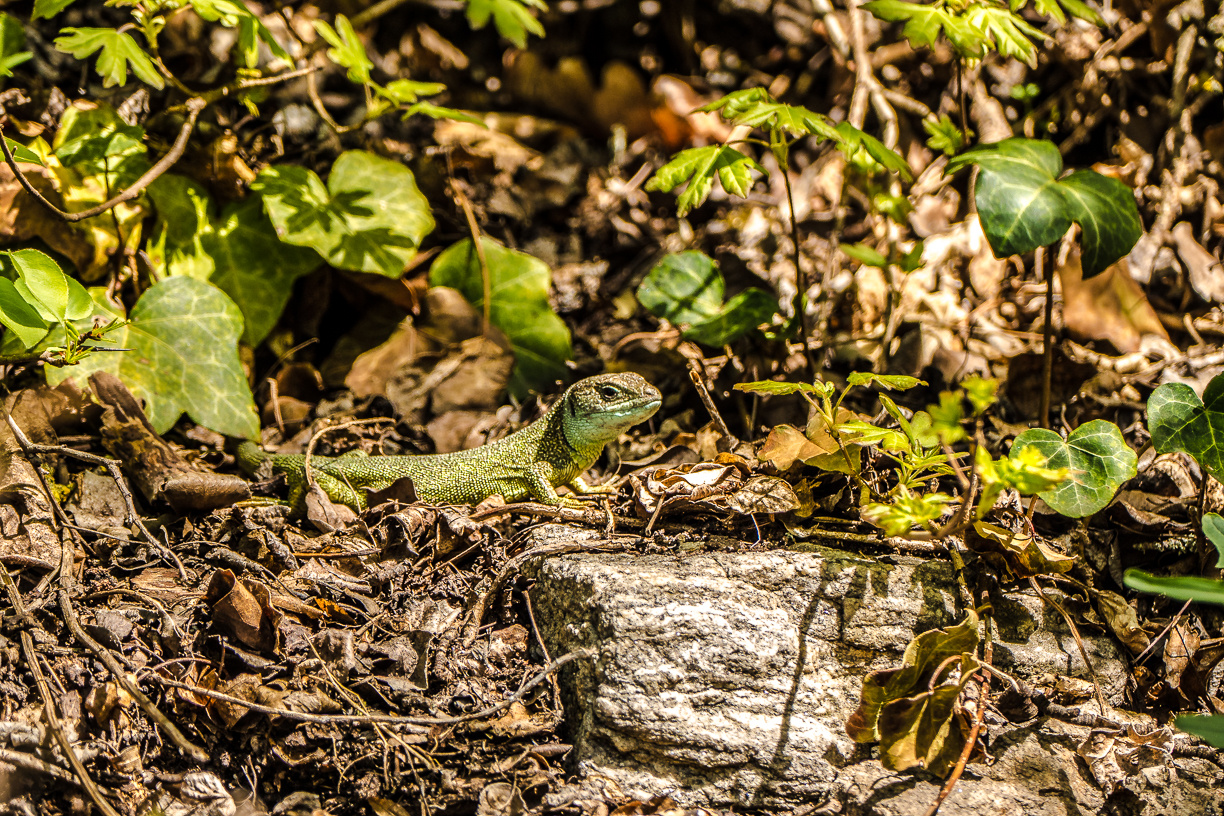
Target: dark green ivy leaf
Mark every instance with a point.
(1023, 204)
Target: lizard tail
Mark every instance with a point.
(250, 456)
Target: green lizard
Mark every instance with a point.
(551, 452)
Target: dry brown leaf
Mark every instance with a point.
(1110, 306)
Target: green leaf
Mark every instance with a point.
(851, 140)
(907, 511)
(347, 50)
(239, 252)
(369, 218)
(42, 283)
(1106, 212)
(1208, 727)
(687, 289)
(1023, 205)
(1213, 528)
(922, 22)
(893, 382)
(23, 154)
(1097, 458)
(406, 91)
(698, 166)
(1012, 36)
(512, 18)
(49, 8)
(776, 388)
(1181, 588)
(865, 255)
(945, 137)
(20, 317)
(518, 305)
(12, 41)
(439, 112)
(252, 31)
(755, 107)
(1179, 421)
(183, 358)
(118, 50)
(1027, 473)
(1083, 11)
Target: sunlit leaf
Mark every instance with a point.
(117, 50)
(1097, 460)
(370, 217)
(518, 305)
(512, 18)
(698, 166)
(183, 358)
(347, 50)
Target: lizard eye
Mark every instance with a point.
(608, 392)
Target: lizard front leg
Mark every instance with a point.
(579, 486)
(540, 488)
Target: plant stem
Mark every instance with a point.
(960, 92)
(801, 281)
(1047, 334)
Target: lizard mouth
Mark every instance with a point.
(636, 407)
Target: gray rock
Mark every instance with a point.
(728, 679)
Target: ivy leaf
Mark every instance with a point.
(182, 341)
(698, 166)
(1023, 204)
(1097, 458)
(239, 252)
(118, 50)
(1179, 421)
(370, 217)
(347, 50)
(687, 289)
(1106, 212)
(512, 18)
(518, 305)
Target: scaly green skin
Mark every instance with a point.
(551, 452)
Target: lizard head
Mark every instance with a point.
(600, 408)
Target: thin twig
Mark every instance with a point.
(28, 762)
(386, 719)
(195, 752)
(113, 468)
(194, 106)
(44, 691)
